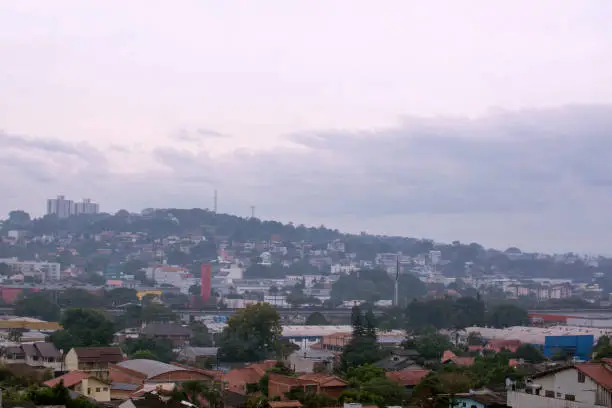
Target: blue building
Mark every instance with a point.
(577, 346)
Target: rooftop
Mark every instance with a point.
(150, 368)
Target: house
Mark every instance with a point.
(498, 345)
(330, 385)
(43, 355)
(92, 359)
(175, 333)
(238, 379)
(84, 383)
(448, 357)
(577, 386)
(195, 355)
(397, 362)
(409, 378)
(39, 354)
(480, 399)
(305, 361)
(279, 385)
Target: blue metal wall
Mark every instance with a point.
(580, 346)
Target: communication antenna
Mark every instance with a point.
(252, 211)
(397, 272)
(215, 202)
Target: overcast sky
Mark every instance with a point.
(476, 120)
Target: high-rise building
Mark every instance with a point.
(60, 206)
(86, 207)
(63, 208)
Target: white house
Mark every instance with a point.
(576, 386)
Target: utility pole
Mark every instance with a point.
(215, 202)
(252, 211)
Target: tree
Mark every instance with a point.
(155, 312)
(251, 334)
(83, 328)
(133, 266)
(19, 218)
(145, 354)
(201, 336)
(508, 316)
(316, 319)
(38, 305)
(195, 290)
(120, 296)
(363, 347)
(530, 354)
(369, 385)
(475, 339)
(79, 298)
(5, 269)
(432, 345)
(161, 350)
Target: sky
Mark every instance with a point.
(476, 121)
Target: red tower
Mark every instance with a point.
(205, 282)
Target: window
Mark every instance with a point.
(549, 394)
(89, 391)
(570, 397)
(97, 389)
(105, 389)
(581, 377)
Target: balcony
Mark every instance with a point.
(518, 399)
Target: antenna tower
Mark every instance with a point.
(215, 202)
(252, 211)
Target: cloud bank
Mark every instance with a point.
(541, 179)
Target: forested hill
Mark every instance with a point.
(457, 258)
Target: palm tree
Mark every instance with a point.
(193, 390)
(213, 395)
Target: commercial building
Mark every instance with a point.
(576, 346)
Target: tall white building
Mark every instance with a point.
(86, 207)
(60, 206)
(64, 208)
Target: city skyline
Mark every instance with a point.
(421, 119)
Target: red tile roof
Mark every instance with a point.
(598, 373)
(324, 380)
(292, 381)
(70, 379)
(452, 357)
(407, 378)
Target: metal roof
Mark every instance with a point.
(150, 368)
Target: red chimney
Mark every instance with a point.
(205, 282)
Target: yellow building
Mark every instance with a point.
(142, 293)
(85, 384)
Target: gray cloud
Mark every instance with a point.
(545, 167)
(198, 135)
